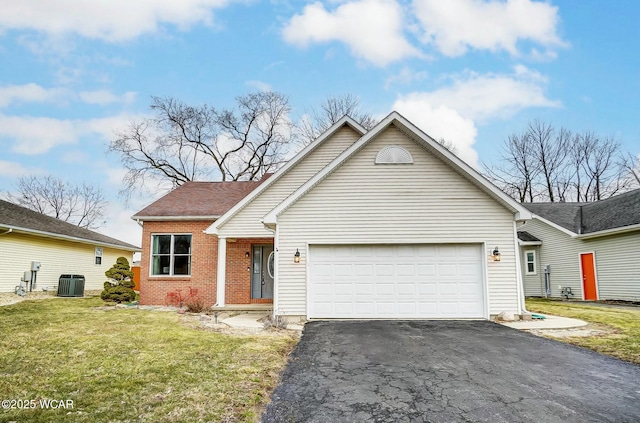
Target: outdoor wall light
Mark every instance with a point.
(496, 254)
(296, 256)
(247, 254)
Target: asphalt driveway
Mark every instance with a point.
(448, 371)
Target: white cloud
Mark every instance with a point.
(371, 28)
(37, 135)
(34, 93)
(29, 93)
(75, 157)
(110, 20)
(454, 26)
(103, 97)
(406, 76)
(481, 97)
(259, 85)
(12, 169)
(120, 226)
(439, 121)
(452, 112)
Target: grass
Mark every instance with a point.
(127, 365)
(623, 340)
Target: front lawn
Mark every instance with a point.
(127, 365)
(624, 340)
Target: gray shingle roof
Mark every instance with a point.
(615, 212)
(566, 215)
(583, 218)
(22, 219)
(527, 237)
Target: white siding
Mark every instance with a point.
(560, 251)
(424, 202)
(533, 284)
(56, 257)
(617, 263)
(617, 266)
(246, 223)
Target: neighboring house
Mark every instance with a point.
(379, 224)
(591, 248)
(61, 248)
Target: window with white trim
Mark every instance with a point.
(98, 256)
(171, 255)
(530, 261)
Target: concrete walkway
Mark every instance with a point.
(550, 322)
(253, 320)
(245, 320)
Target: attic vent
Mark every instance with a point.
(393, 154)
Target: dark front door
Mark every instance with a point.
(262, 271)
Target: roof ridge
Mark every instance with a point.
(75, 230)
(615, 197)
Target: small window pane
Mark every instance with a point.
(182, 265)
(182, 244)
(530, 268)
(161, 244)
(161, 265)
(530, 257)
(98, 260)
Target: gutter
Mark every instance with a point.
(612, 231)
(172, 218)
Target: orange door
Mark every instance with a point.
(588, 277)
(136, 277)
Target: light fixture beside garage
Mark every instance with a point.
(496, 254)
(296, 256)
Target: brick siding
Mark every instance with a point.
(204, 256)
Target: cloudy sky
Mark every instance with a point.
(469, 71)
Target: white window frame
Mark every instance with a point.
(526, 262)
(97, 255)
(171, 256)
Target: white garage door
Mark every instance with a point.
(396, 281)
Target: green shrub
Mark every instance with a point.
(119, 287)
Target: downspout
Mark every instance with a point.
(7, 232)
(519, 284)
(276, 274)
(138, 222)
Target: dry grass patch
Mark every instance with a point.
(127, 365)
(618, 332)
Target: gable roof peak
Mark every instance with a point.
(418, 135)
(343, 121)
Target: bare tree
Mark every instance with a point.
(519, 169)
(600, 165)
(631, 164)
(82, 205)
(184, 143)
(545, 164)
(449, 145)
(313, 124)
(549, 148)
